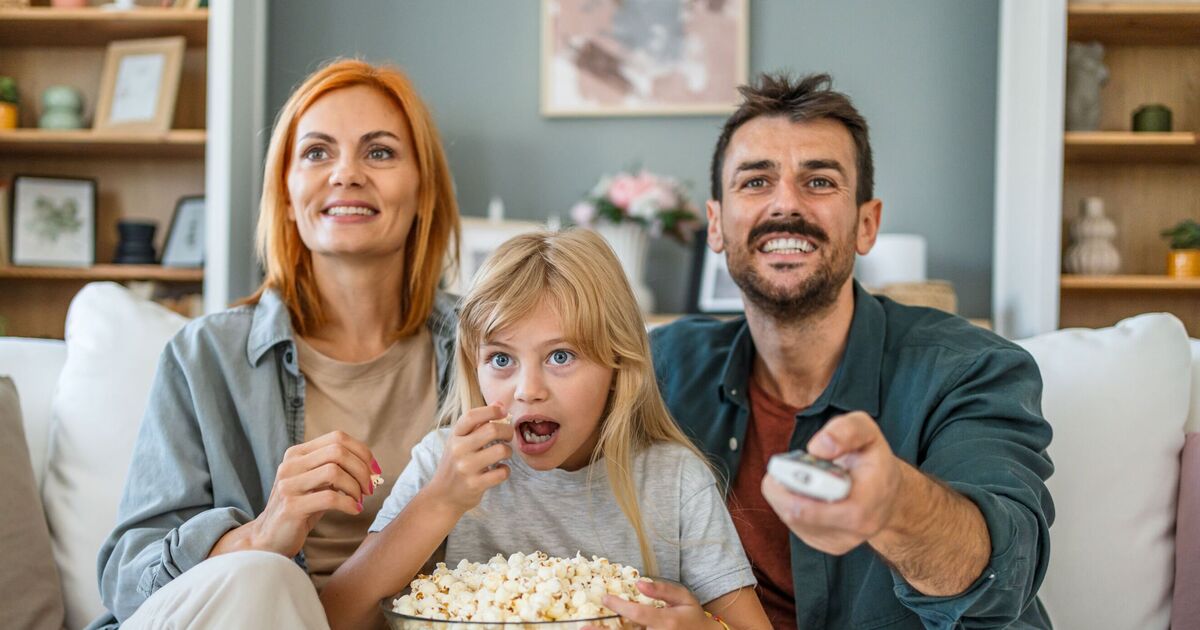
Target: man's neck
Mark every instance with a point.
(795, 359)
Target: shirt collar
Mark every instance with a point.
(271, 326)
(272, 323)
(855, 383)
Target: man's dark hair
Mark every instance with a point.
(809, 98)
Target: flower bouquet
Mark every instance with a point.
(659, 204)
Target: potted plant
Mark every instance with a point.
(8, 103)
(1184, 259)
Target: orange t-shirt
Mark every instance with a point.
(764, 536)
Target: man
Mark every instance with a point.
(938, 422)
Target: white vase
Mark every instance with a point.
(630, 243)
(1092, 234)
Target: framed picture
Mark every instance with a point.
(713, 289)
(53, 221)
(139, 84)
(651, 57)
(481, 237)
(184, 246)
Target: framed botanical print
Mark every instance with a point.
(53, 221)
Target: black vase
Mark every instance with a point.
(136, 246)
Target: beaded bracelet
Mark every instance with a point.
(718, 620)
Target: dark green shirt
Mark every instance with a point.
(956, 401)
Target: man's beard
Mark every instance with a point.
(818, 291)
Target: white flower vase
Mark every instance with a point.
(1092, 234)
(630, 243)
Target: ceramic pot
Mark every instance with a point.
(1183, 263)
(9, 114)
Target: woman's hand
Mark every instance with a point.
(682, 610)
(471, 464)
(331, 472)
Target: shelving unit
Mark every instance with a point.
(96, 273)
(138, 176)
(187, 143)
(1148, 181)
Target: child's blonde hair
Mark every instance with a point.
(575, 273)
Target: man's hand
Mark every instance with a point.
(936, 538)
(854, 442)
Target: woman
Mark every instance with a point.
(267, 423)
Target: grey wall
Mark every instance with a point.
(923, 72)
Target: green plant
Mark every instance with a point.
(1185, 235)
(8, 90)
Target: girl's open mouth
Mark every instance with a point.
(536, 436)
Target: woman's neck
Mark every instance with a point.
(362, 305)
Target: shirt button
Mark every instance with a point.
(733, 392)
(733, 444)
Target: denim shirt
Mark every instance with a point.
(227, 401)
(959, 403)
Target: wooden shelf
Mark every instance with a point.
(76, 142)
(1159, 24)
(103, 272)
(46, 26)
(1128, 283)
(1129, 146)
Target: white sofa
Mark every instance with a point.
(1120, 400)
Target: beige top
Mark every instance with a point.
(389, 404)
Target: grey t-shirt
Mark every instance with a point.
(560, 513)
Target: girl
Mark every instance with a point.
(551, 336)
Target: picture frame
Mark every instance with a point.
(713, 290)
(184, 245)
(139, 85)
(611, 58)
(53, 221)
(480, 238)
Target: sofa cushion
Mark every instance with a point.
(34, 365)
(113, 342)
(29, 592)
(1117, 399)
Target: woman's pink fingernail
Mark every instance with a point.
(360, 507)
(375, 467)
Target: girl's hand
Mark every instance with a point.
(470, 464)
(682, 611)
(331, 472)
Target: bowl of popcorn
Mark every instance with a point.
(532, 591)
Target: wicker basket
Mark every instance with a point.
(937, 294)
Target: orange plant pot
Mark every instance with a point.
(8, 116)
(1183, 263)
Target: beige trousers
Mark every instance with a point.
(245, 589)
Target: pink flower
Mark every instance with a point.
(626, 188)
(583, 213)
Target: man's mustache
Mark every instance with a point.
(794, 225)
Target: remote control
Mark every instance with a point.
(804, 474)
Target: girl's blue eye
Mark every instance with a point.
(315, 153)
(561, 357)
(500, 360)
(380, 153)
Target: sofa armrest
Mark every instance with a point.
(1185, 601)
(34, 365)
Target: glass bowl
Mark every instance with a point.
(397, 621)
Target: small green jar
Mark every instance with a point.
(1152, 117)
